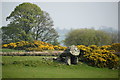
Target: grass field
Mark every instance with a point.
(36, 67)
(11, 50)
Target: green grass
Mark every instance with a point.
(10, 50)
(36, 67)
(13, 50)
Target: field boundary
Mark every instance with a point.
(44, 53)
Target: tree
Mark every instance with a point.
(8, 35)
(55, 42)
(13, 34)
(29, 22)
(24, 17)
(113, 32)
(43, 30)
(87, 37)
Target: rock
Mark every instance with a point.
(74, 50)
(74, 60)
(70, 55)
(55, 58)
(68, 60)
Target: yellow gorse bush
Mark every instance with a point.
(116, 47)
(101, 56)
(5, 45)
(12, 45)
(33, 46)
(51, 48)
(105, 46)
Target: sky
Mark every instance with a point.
(73, 14)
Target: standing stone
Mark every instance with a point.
(75, 52)
(67, 60)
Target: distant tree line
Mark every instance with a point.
(90, 37)
(28, 22)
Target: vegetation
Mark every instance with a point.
(28, 22)
(11, 50)
(31, 29)
(116, 47)
(33, 46)
(99, 56)
(36, 67)
(88, 37)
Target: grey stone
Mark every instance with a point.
(68, 60)
(71, 55)
(74, 50)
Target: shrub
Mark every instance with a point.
(32, 46)
(87, 37)
(99, 56)
(105, 47)
(34, 49)
(24, 44)
(5, 45)
(58, 47)
(116, 47)
(12, 45)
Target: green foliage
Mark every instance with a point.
(87, 37)
(25, 15)
(13, 34)
(28, 22)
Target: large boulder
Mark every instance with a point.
(70, 55)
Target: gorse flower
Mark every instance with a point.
(5, 45)
(100, 56)
(33, 46)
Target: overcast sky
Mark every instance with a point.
(73, 14)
